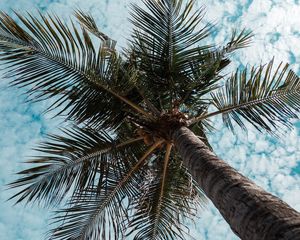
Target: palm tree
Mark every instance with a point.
(135, 159)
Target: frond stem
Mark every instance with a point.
(91, 155)
(242, 105)
(166, 162)
(105, 150)
(152, 108)
(128, 102)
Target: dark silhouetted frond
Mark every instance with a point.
(75, 161)
(50, 59)
(168, 197)
(164, 42)
(95, 214)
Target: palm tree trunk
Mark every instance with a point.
(252, 213)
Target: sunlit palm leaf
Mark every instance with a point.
(266, 98)
(89, 23)
(238, 41)
(73, 162)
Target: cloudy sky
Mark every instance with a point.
(272, 164)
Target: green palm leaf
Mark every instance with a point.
(75, 161)
(89, 23)
(266, 98)
(163, 41)
(57, 61)
(92, 211)
(237, 41)
(165, 50)
(206, 72)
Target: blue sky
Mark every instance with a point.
(274, 165)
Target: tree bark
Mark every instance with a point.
(251, 212)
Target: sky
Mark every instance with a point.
(270, 163)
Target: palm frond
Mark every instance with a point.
(52, 60)
(92, 212)
(72, 162)
(266, 98)
(205, 77)
(89, 23)
(168, 196)
(238, 41)
(164, 42)
(206, 72)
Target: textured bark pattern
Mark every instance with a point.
(252, 213)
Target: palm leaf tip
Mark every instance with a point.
(239, 40)
(89, 23)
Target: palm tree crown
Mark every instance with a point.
(116, 164)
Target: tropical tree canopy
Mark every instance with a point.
(115, 166)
